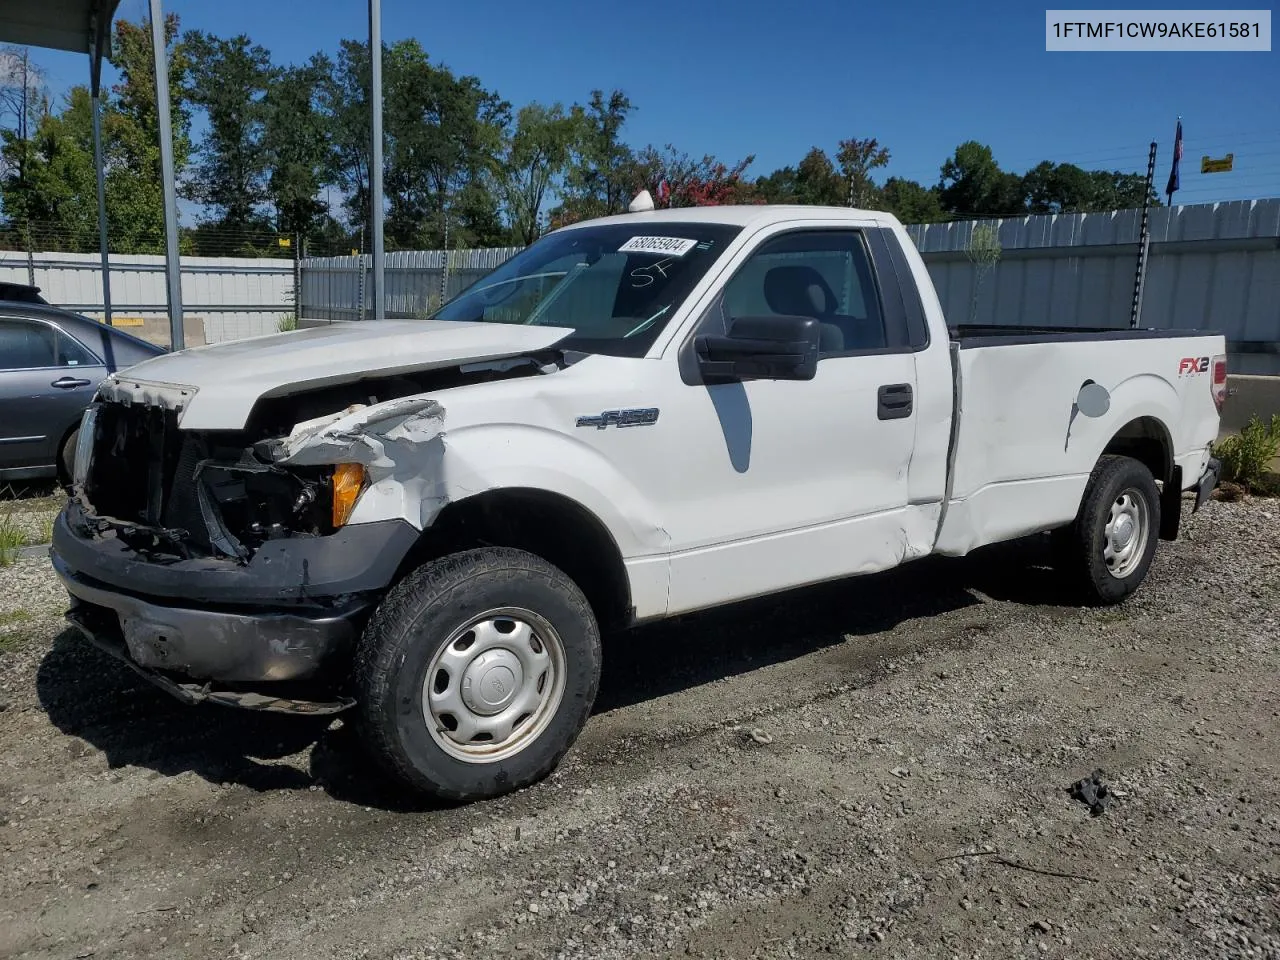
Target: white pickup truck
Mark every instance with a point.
(431, 521)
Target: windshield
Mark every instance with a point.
(615, 285)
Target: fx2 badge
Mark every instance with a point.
(635, 417)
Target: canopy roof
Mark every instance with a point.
(81, 26)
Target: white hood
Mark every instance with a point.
(218, 385)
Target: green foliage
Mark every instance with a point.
(912, 203)
(534, 163)
(601, 178)
(12, 537)
(983, 251)
(286, 322)
(295, 140)
(229, 80)
(857, 158)
(1246, 456)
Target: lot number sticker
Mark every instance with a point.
(666, 246)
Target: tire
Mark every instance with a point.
(67, 460)
(474, 639)
(1094, 553)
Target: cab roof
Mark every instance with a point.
(744, 215)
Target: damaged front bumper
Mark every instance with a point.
(292, 613)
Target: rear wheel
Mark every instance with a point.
(1108, 549)
(476, 673)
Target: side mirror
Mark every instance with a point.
(761, 348)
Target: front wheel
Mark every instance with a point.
(1108, 550)
(476, 673)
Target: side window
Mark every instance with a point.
(72, 354)
(25, 345)
(821, 274)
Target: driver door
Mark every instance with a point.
(796, 481)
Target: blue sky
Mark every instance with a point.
(775, 79)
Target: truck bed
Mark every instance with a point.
(1022, 452)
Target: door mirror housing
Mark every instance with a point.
(760, 348)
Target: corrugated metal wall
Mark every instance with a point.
(1211, 266)
(236, 297)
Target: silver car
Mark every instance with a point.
(50, 363)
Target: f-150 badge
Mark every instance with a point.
(636, 417)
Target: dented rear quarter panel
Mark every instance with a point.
(1023, 460)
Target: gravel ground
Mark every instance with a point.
(873, 767)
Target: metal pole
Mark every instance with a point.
(1144, 241)
(375, 172)
(95, 103)
(444, 260)
(172, 265)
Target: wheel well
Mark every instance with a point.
(1147, 441)
(555, 528)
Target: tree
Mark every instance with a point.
(602, 169)
(857, 158)
(778, 187)
(23, 101)
(533, 165)
(296, 140)
(443, 134)
(972, 184)
(1116, 190)
(134, 130)
(691, 182)
(49, 187)
(444, 138)
(818, 182)
(229, 80)
(910, 202)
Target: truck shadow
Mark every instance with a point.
(89, 695)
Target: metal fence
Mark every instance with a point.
(418, 281)
(223, 298)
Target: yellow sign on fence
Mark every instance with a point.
(1209, 165)
(117, 321)
(284, 241)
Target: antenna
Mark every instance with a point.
(643, 203)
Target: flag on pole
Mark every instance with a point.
(1175, 180)
(664, 190)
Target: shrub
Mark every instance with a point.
(1246, 456)
(287, 322)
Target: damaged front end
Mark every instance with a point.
(243, 557)
(183, 495)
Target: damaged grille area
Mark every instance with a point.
(178, 494)
(172, 492)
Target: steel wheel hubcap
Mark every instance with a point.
(494, 685)
(1125, 535)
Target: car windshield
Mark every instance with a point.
(615, 285)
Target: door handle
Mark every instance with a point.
(894, 401)
(68, 383)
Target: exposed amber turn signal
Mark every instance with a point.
(348, 481)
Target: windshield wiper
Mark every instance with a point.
(646, 323)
